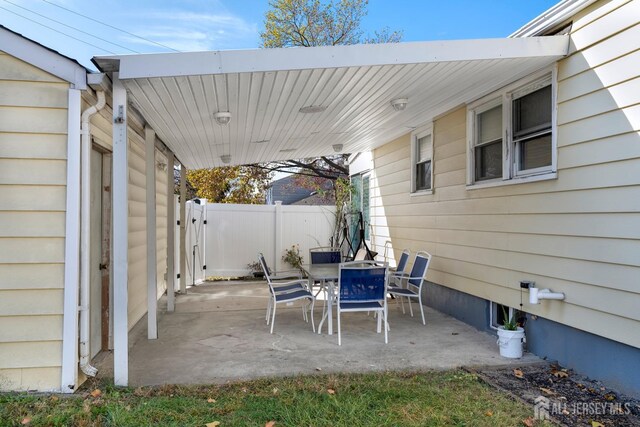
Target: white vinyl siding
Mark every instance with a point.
(33, 151)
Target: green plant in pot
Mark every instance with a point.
(509, 324)
(510, 337)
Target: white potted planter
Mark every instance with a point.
(510, 342)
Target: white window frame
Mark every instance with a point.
(415, 136)
(493, 314)
(510, 156)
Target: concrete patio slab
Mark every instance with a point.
(218, 333)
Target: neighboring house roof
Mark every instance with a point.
(43, 57)
(289, 193)
(315, 200)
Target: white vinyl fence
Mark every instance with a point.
(223, 238)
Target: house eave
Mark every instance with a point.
(551, 18)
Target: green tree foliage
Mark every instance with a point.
(319, 23)
(232, 184)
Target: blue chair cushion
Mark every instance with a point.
(373, 305)
(402, 292)
(292, 296)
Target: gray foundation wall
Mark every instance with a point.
(614, 363)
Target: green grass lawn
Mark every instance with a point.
(382, 399)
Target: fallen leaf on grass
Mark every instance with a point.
(25, 421)
(210, 400)
(518, 373)
(213, 424)
(547, 391)
(275, 390)
(596, 424)
(54, 398)
(96, 393)
(270, 424)
(528, 422)
(331, 391)
(488, 413)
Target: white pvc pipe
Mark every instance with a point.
(85, 236)
(535, 295)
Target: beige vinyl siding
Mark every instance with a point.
(578, 234)
(161, 224)
(137, 234)
(101, 131)
(33, 150)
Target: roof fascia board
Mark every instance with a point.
(270, 60)
(552, 17)
(41, 57)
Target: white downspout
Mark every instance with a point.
(85, 238)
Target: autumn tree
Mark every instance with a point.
(230, 184)
(307, 23)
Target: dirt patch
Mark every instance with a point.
(568, 398)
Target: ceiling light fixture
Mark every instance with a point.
(399, 104)
(262, 141)
(310, 109)
(226, 158)
(337, 147)
(222, 117)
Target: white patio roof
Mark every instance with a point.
(178, 93)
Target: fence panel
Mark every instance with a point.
(234, 234)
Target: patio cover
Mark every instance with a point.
(351, 87)
(264, 89)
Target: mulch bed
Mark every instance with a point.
(569, 398)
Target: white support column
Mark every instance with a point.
(71, 249)
(120, 235)
(203, 237)
(183, 229)
(278, 236)
(152, 271)
(171, 234)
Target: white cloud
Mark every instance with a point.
(192, 31)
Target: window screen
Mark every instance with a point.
(488, 149)
(532, 128)
(423, 163)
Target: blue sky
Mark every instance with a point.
(192, 25)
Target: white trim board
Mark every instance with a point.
(282, 59)
(69, 374)
(43, 58)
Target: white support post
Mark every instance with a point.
(278, 235)
(183, 229)
(171, 234)
(203, 241)
(120, 235)
(69, 374)
(152, 271)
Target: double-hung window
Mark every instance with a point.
(511, 134)
(421, 159)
